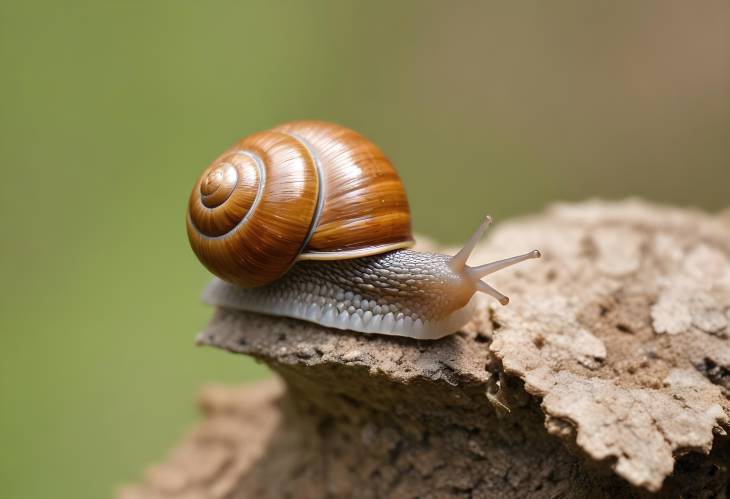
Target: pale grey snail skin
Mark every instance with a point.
(402, 292)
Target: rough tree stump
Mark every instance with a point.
(608, 375)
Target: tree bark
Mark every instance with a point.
(608, 375)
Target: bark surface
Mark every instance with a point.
(608, 375)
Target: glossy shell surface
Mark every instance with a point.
(303, 190)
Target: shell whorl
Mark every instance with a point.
(304, 190)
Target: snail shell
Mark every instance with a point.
(304, 190)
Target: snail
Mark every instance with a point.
(310, 220)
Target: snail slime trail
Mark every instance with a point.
(310, 220)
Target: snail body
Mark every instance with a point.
(310, 220)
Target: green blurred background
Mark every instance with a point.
(110, 109)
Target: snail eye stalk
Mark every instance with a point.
(457, 263)
(490, 268)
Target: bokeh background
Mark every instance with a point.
(110, 109)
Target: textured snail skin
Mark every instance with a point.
(404, 293)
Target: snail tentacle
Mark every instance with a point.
(474, 274)
(486, 288)
(458, 261)
(492, 267)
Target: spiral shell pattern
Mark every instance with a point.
(304, 190)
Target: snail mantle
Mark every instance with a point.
(608, 375)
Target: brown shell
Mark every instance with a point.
(303, 190)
